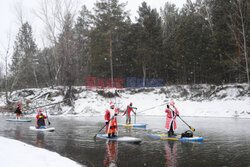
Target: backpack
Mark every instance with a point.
(188, 133)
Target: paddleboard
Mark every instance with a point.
(178, 137)
(133, 125)
(19, 120)
(50, 129)
(119, 138)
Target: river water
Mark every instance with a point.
(226, 142)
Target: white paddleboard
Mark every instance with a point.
(18, 120)
(119, 138)
(50, 129)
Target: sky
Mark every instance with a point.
(9, 23)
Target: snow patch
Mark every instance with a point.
(15, 153)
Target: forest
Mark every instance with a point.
(204, 42)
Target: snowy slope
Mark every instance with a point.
(196, 100)
(15, 153)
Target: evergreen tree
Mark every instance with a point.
(24, 58)
(82, 40)
(192, 49)
(150, 42)
(105, 38)
(223, 46)
(170, 20)
(66, 53)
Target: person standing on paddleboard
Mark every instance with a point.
(111, 120)
(128, 111)
(171, 116)
(18, 110)
(40, 123)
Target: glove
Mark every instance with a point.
(177, 115)
(115, 114)
(107, 122)
(135, 108)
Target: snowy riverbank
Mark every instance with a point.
(196, 100)
(15, 153)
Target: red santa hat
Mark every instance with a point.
(111, 104)
(172, 103)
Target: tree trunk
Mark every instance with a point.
(244, 45)
(144, 73)
(6, 83)
(111, 62)
(34, 71)
(111, 45)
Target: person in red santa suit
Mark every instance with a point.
(171, 117)
(128, 111)
(111, 120)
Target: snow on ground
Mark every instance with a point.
(191, 100)
(15, 153)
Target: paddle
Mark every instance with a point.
(94, 137)
(190, 127)
(187, 124)
(47, 117)
(135, 114)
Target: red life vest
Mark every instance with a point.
(108, 115)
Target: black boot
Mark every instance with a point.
(109, 135)
(169, 133)
(113, 135)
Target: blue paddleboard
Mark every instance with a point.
(133, 125)
(178, 137)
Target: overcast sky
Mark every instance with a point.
(9, 23)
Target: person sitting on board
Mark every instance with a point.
(128, 111)
(40, 123)
(111, 120)
(171, 116)
(18, 110)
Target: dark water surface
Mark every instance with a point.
(227, 142)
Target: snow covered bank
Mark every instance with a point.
(15, 153)
(192, 100)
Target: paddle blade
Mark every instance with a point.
(94, 137)
(192, 128)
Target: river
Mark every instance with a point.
(226, 142)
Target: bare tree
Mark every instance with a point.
(238, 21)
(6, 57)
(52, 14)
(19, 12)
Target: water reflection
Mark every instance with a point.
(18, 133)
(128, 131)
(111, 153)
(171, 153)
(40, 139)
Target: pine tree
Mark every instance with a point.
(24, 58)
(82, 40)
(105, 39)
(150, 42)
(66, 52)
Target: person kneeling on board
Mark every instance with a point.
(128, 111)
(40, 123)
(18, 110)
(111, 120)
(171, 116)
